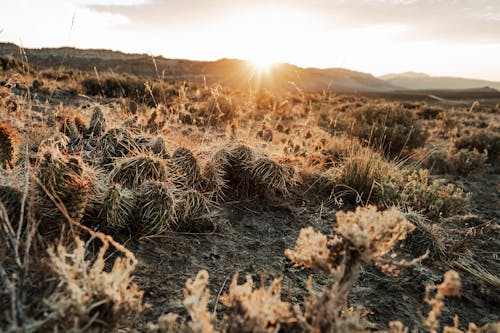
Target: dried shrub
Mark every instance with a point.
(481, 140)
(429, 112)
(449, 287)
(388, 126)
(133, 171)
(8, 149)
(260, 310)
(367, 236)
(90, 297)
(433, 198)
(196, 296)
(452, 161)
(118, 86)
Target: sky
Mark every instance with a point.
(437, 37)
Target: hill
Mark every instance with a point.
(420, 81)
(231, 72)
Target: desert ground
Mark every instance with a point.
(134, 203)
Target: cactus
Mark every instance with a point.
(158, 147)
(117, 207)
(65, 180)
(156, 204)
(11, 198)
(271, 175)
(241, 158)
(216, 175)
(68, 128)
(7, 145)
(80, 124)
(185, 165)
(115, 143)
(97, 124)
(193, 212)
(132, 171)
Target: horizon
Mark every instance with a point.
(457, 39)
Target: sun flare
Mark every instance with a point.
(261, 64)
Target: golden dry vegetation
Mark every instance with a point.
(120, 196)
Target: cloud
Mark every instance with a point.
(462, 21)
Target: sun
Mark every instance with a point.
(261, 64)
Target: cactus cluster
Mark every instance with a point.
(11, 198)
(155, 201)
(7, 145)
(186, 167)
(193, 212)
(133, 171)
(117, 142)
(117, 207)
(65, 185)
(97, 125)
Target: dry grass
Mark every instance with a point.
(117, 174)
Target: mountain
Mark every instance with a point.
(413, 75)
(231, 72)
(420, 81)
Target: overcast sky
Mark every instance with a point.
(439, 37)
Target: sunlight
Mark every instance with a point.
(262, 64)
(265, 35)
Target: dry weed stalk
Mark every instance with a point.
(258, 311)
(196, 295)
(89, 297)
(368, 236)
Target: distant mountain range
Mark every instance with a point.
(234, 73)
(421, 81)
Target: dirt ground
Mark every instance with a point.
(253, 235)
